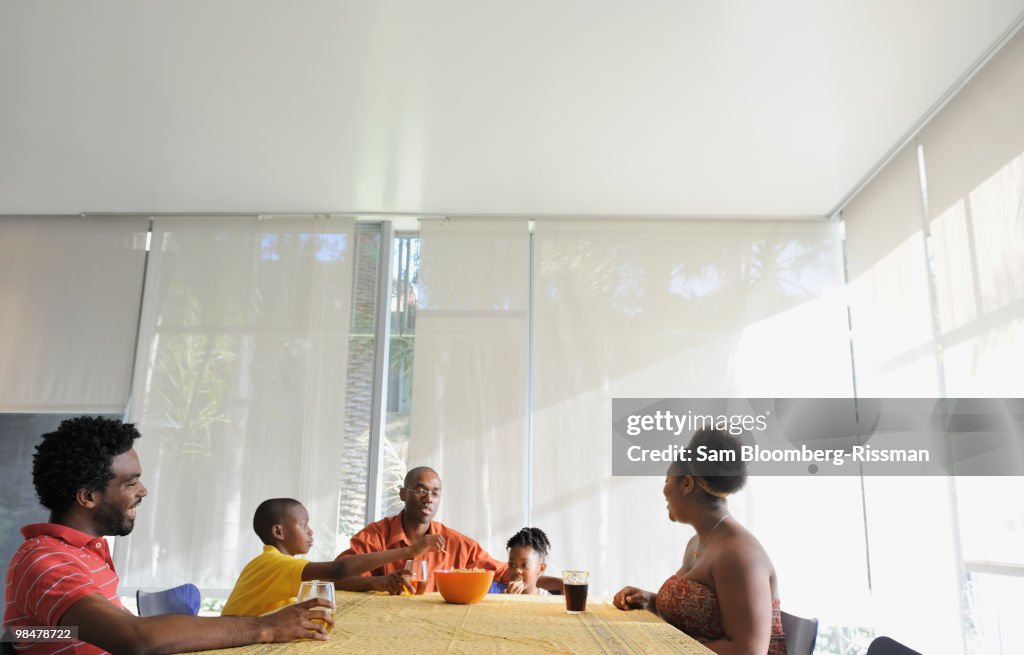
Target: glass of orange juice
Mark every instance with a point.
(317, 589)
(418, 579)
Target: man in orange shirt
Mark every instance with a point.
(421, 494)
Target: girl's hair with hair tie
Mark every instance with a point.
(532, 537)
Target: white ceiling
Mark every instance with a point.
(672, 107)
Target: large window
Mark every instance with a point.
(259, 358)
(240, 391)
(522, 338)
(405, 266)
(359, 382)
(937, 303)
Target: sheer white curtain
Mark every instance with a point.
(896, 356)
(470, 372)
(894, 352)
(688, 309)
(70, 289)
(974, 154)
(239, 392)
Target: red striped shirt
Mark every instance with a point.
(55, 568)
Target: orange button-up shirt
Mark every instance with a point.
(461, 552)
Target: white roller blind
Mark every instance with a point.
(894, 353)
(70, 290)
(693, 309)
(470, 375)
(895, 356)
(239, 392)
(974, 153)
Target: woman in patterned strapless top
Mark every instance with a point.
(725, 594)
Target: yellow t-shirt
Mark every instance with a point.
(271, 580)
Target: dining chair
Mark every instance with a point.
(183, 599)
(801, 634)
(887, 646)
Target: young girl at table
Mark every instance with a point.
(527, 560)
(271, 580)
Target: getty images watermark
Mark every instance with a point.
(825, 436)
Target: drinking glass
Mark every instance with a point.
(418, 579)
(575, 585)
(318, 589)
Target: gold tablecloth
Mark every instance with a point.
(371, 624)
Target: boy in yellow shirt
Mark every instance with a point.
(271, 580)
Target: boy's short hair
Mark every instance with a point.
(532, 537)
(271, 512)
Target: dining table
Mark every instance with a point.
(374, 624)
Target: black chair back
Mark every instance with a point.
(801, 634)
(887, 646)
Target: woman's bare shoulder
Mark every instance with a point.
(743, 549)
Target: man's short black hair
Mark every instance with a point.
(414, 473)
(77, 455)
(533, 538)
(271, 512)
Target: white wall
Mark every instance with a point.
(663, 107)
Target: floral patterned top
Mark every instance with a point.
(693, 608)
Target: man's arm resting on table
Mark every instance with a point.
(550, 583)
(108, 626)
(357, 583)
(393, 583)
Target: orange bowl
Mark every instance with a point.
(463, 587)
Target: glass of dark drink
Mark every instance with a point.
(574, 586)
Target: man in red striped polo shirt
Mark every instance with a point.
(88, 475)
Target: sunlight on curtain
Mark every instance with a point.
(914, 567)
(895, 356)
(996, 608)
(687, 309)
(893, 349)
(239, 392)
(992, 533)
(469, 376)
(70, 289)
(974, 153)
